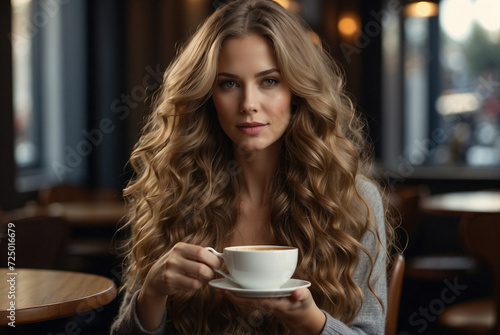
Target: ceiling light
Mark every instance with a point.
(421, 9)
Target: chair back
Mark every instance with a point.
(39, 241)
(481, 237)
(395, 276)
(404, 201)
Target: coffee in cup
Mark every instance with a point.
(262, 267)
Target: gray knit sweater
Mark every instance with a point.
(369, 320)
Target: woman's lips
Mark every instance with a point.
(251, 128)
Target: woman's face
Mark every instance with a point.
(252, 101)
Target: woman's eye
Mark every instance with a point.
(270, 82)
(228, 84)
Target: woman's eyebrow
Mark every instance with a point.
(257, 75)
(225, 74)
(266, 72)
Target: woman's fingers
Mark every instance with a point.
(198, 254)
(300, 294)
(198, 270)
(282, 305)
(298, 311)
(184, 267)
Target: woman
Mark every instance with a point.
(252, 141)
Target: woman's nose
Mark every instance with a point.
(249, 100)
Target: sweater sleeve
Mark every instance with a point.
(127, 322)
(371, 317)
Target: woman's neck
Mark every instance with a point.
(257, 168)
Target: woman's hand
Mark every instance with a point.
(298, 311)
(185, 267)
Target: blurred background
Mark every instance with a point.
(78, 78)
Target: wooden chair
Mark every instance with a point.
(394, 284)
(39, 241)
(404, 201)
(82, 251)
(481, 237)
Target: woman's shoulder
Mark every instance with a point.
(368, 188)
(370, 192)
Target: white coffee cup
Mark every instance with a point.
(263, 267)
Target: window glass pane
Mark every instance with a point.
(468, 105)
(27, 148)
(452, 85)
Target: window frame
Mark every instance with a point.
(60, 94)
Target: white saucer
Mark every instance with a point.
(284, 291)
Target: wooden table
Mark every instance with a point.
(460, 203)
(41, 295)
(75, 213)
(89, 213)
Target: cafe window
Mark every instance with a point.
(49, 90)
(27, 148)
(442, 89)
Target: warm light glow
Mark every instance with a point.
(19, 2)
(290, 5)
(315, 38)
(349, 24)
(422, 9)
(283, 3)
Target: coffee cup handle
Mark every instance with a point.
(221, 255)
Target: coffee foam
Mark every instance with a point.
(260, 248)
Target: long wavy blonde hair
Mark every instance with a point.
(187, 182)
